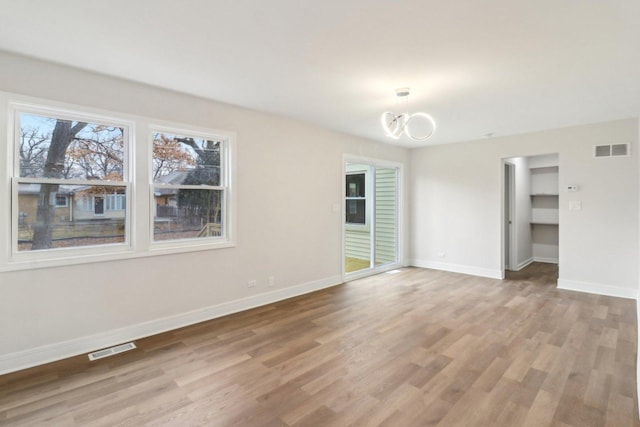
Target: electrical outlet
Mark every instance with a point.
(271, 281)
(575, 205)
(441, 254)
(251, 284)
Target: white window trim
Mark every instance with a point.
(49, 256)
(139, 243)
(227, 166)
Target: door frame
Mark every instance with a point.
(95, 205)
(400, 211)
(508, 229)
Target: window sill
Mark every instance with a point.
(29, 263)
(167, 248)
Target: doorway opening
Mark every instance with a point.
(531, 215)
(371, 217)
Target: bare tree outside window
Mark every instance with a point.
(53, 151)
(188, 187)
(72, 185)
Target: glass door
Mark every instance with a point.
(386, 216)
(357, 226)
(371, 217)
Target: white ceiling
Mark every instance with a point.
(478, 67)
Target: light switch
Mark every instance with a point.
(575, 205)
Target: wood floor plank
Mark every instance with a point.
(420, 347)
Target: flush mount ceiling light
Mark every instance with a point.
(395, 125)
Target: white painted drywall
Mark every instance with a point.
(545, 209)
(543, 161)
(545, 243)
(289, 174)
(544, 180)
(456, 205)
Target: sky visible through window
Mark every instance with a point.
(96, 152)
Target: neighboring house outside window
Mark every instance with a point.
(59, 154)
(189, 185)
(115, 202)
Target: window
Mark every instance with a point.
(61, 160)
(189, 186)
(355, 193)
(70, 195)
(61, 201)
(115, 202)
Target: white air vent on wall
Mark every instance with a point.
(111, 351)
(611, 150)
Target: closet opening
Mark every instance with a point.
(531, 216)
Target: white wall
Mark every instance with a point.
(456, 205)
(289, 174)
(544, 180)
(543, 161)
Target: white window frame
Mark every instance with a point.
(226, 167)
(48, 257)
(139, 212)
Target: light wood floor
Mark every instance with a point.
(417, 348)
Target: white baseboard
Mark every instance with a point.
(523, 264)
(49, 353)
(547, 260)
(456, 268)
(597, 288)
